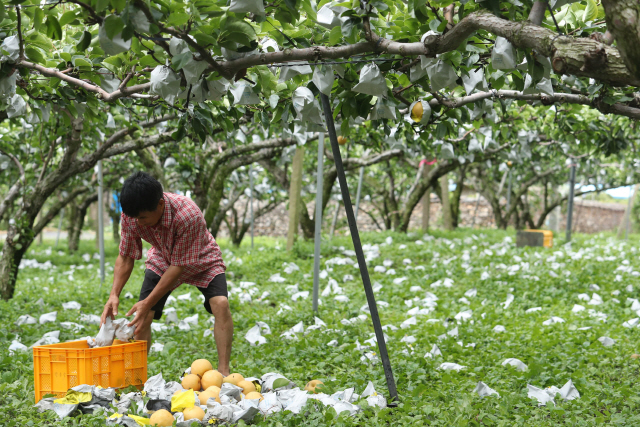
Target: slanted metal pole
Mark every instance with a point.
(59, 226)
(251, 200)
(101, 221)
(359, 191)
(318, 221)
(572, 184)
(357, 245)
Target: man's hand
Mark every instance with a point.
(110, 309)
(141, 310)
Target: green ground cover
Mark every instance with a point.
(487, 261)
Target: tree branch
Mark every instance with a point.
(103, 94)
(622, 21)
(20, 40)
(536, 15)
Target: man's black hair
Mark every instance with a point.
(140, 192)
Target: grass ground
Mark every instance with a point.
(552, 279)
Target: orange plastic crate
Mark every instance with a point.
(58, 367)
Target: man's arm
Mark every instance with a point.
(121, 273)
(166, 283)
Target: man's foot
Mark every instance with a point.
(225, 372)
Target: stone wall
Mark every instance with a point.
(588, 217)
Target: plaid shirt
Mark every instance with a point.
(181, 238)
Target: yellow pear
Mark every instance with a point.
(195, 413)
(417, 111)
(211, 378)
(247, 386)
(191, 381)
(342, 140)
(233, 379)
(200, 366)
(208, 394)
(161, 418)
(311, 385)
(254, 395)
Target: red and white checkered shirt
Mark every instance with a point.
(181, 238)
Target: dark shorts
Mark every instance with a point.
(217, 288)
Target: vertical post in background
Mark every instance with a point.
(59, 226)
(295, 187)
(509, 190)
(426, 200)
(357, 245)
(633, 202)
(335, 219)
(251, 200)
(572, 184)
(101, 220)
(626, 220)
(359, 191)
(318, 222)
(447, 222)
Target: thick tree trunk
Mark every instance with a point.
(16, 244)
(295, 197)
(76, 231)
(72, 217)
(447, 222)
(623, 21)
(426, 201)
(456, 196)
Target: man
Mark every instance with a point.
(184, 251)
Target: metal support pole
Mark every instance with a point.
(318, 222)
(101, 221)
(59, 226)
(630, 203)
(572, 184)
(335, 219)
(359, 191)
(509, 190)
(251, 200)
(357, 245)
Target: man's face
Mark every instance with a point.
(151, 218)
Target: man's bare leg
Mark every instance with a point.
(145, 334)
(222, 331)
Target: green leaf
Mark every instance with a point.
(119, 5)
(280, 382)
(35, 55)
(113, 26)
(81, 62)
(39, 40)
(67, 17)
(178, 18)
(591, 12)
(335, 36)
(54, 31)
(101, 5)
(204, 39)
(84, 42)
(181, 132)
(38, 17)
(237, 32)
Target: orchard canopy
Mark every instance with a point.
(199, 90)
